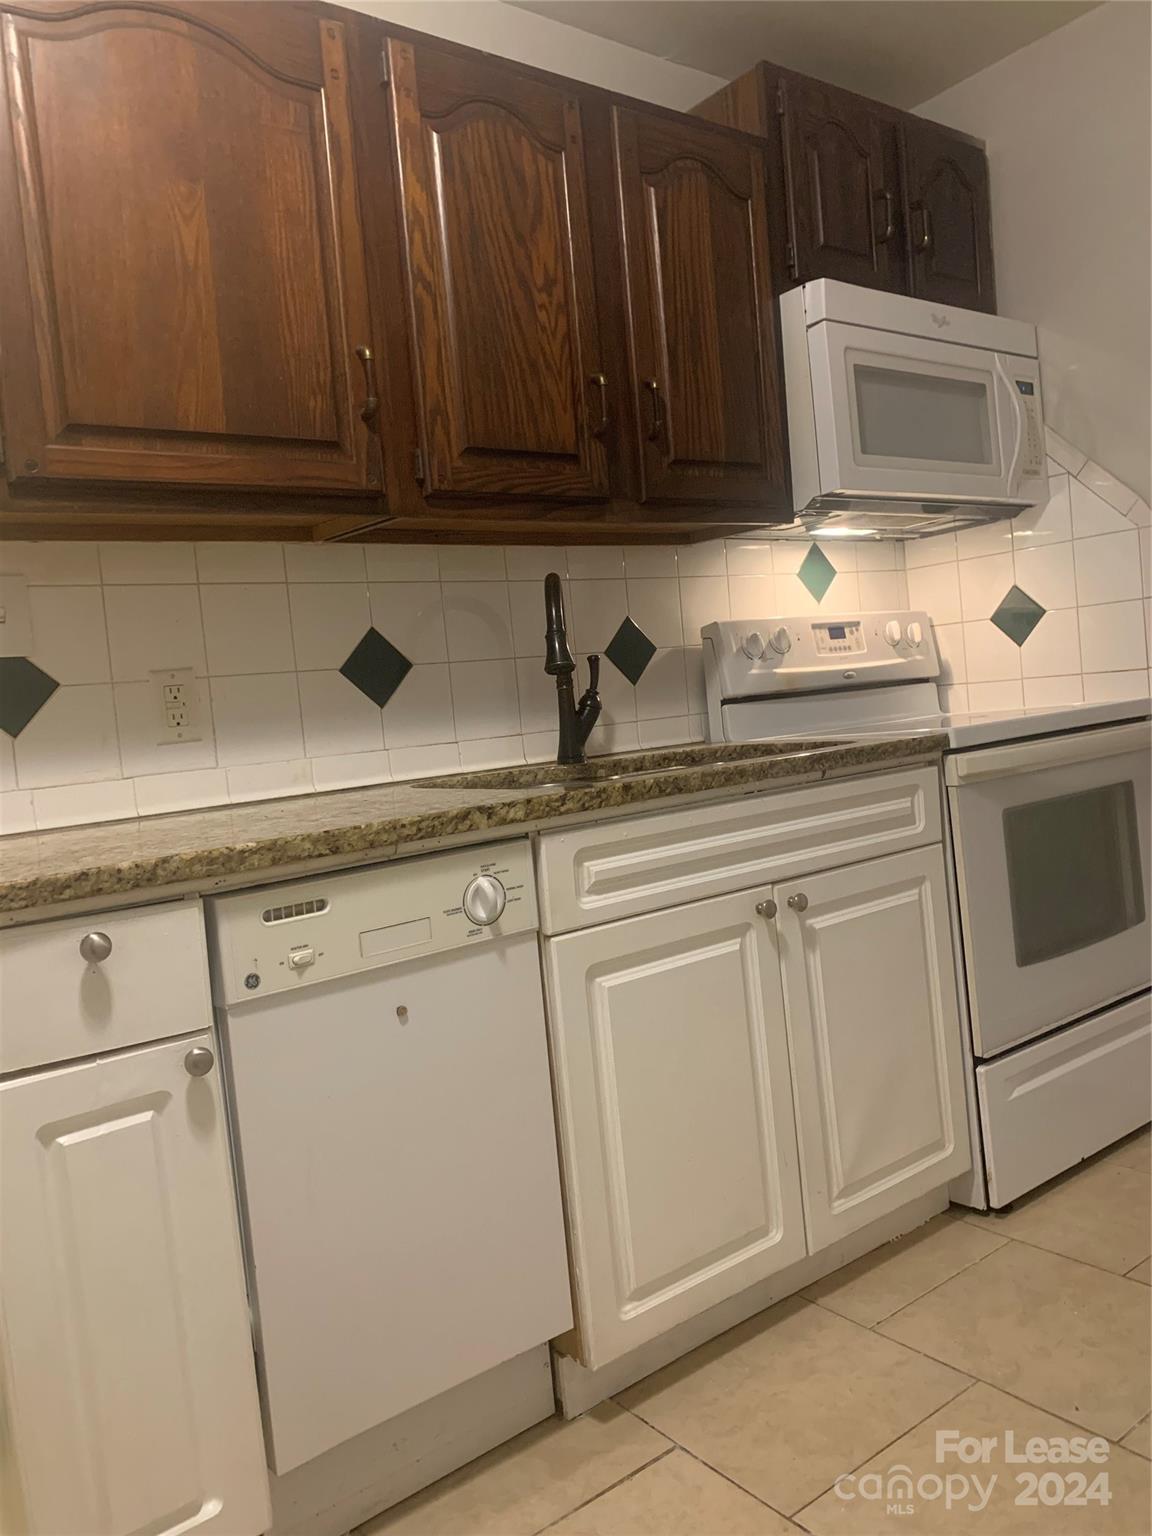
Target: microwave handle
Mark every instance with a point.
(1013, 484)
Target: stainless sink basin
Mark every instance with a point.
(621, 766)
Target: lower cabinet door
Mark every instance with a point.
(677, 1129)
(127, 1359)
(875, 1035)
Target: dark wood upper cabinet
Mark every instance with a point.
(182, 285)
(511, 400)
(708, 402)
(949, 218)
(843, 176)
(875, 196)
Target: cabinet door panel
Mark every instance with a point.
(500, 268)
(132, 1392)
(183, 280)
(875, 1033)
(702, 318)
(843, 188)
(676, 1117)
(949, 219)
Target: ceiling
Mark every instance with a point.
(900, 51)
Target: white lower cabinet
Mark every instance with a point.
(675, 1104)
(127, 1370)
(744, 1080)
(875, 1034)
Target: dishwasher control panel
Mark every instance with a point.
(285, 937)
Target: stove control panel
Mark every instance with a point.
(783, 654)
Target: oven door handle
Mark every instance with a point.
(1050, 752)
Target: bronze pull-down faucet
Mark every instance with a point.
(576, 720)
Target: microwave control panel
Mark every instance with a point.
(1032, 449)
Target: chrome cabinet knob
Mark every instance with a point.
(799, 902)
(765, 909)
(95, 947)
(199, 1061)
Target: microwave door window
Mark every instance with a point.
(1074, 875)
(908, 415)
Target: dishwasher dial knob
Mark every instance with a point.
(301, 959)
(753, 645)
(892, 632)
(780, 641)
(484, 900)
(914, 634)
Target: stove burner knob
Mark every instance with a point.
(914, 634)
(484, 900)
(892, 632)
(780, 641)
(753, 645)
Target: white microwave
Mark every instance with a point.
(907, 416)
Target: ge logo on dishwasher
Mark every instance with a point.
(251, 981)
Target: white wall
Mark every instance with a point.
(547, 44)
(1066, 121)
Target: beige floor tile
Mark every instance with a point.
(1142, 1272)
(675, 1497)
(530, 1481)
(788, 1400)
(1140, 1438)
(1100, 1213)
(983, 1411)
(889, 1278)
(1060, 1334)
(1134, 1151)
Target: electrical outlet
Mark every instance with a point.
(178, 705)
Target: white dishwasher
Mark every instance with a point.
(387, 1067)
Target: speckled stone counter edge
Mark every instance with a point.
(202, 849)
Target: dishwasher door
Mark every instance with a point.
(398, 1168)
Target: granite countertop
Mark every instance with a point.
(232, 846)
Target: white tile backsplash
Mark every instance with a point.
(328, 620)
(337, 718)
(147, 563)
(1108, 568)
(153, 628)
(247, 628)
(69, 635)
(257, 718)
(269, 627)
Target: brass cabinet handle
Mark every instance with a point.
(371, 399)
(889, 228)
(600, 383)
(766, 909)
(656, 430)
(799, 902)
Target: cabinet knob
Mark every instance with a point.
(95, 947)
(766, 909)
(199, 1061)
(799, 902)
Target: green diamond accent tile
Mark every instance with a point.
(1018, 615)
(630, 650)
(376, 667)
(817, 572)
(24, 690)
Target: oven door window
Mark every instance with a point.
(1074, 875)
(906, 414)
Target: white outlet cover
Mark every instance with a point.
(192, 730)
(15, 617)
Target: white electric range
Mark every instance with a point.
(1051, 848)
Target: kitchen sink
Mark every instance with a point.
(623, 765)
